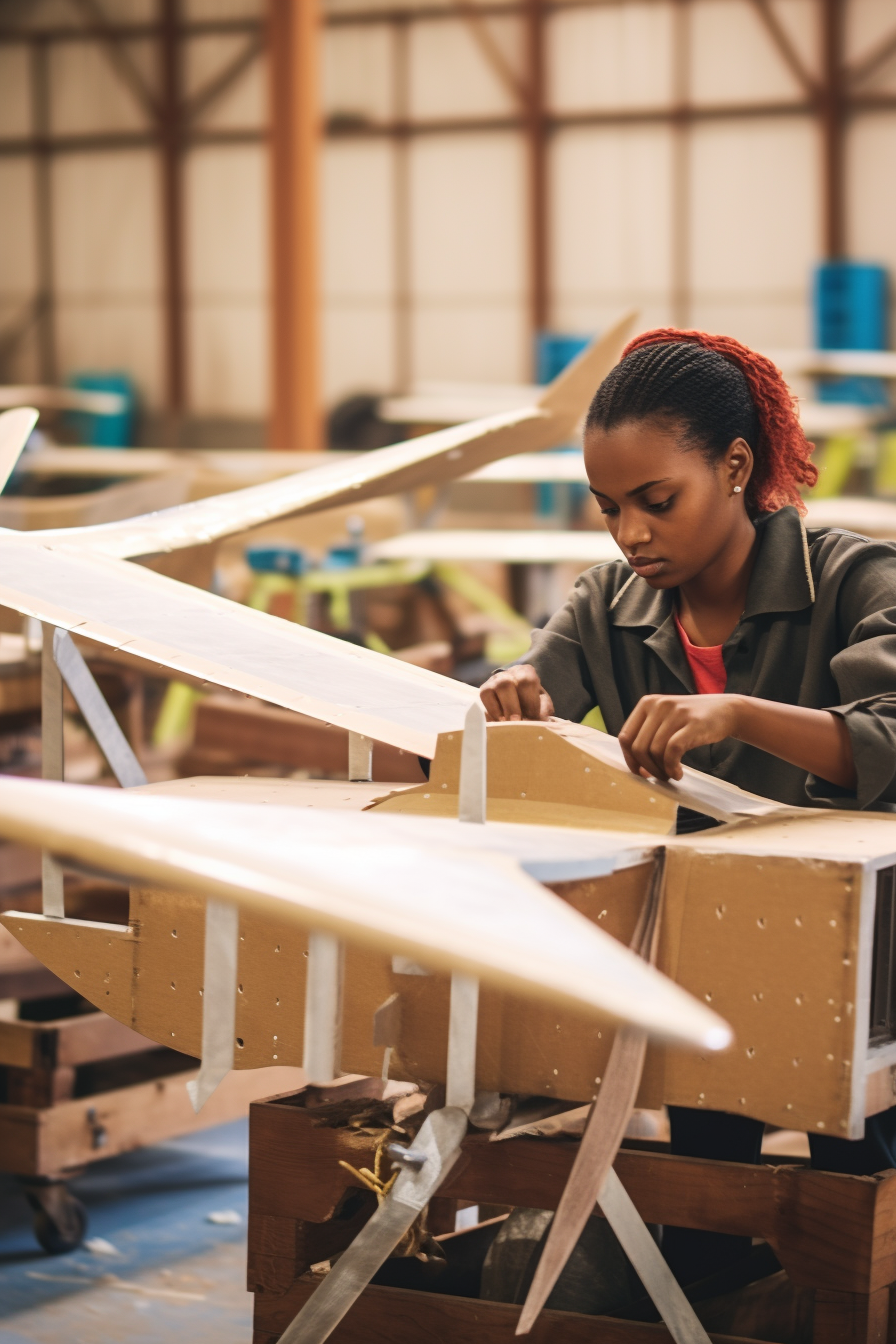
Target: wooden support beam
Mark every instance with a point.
(535, 125)
(293, 30)
(172, 211)
(832, 110)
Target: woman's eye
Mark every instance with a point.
(662, 506)
(609, 513)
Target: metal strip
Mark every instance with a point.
(218, 999)
(471, 801)
(439, 1142)
(52, 766)
(460, 1084)
(360, 757)
(97, 714)
(646, 1257)
(323, 1008)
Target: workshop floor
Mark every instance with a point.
(173, 1274)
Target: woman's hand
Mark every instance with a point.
(661, 728)
(515, 693)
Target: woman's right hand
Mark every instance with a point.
(515, 693)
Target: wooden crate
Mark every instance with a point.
(833, 1234)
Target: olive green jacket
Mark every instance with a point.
(818, 629)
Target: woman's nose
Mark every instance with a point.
(633, 530)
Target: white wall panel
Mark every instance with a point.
(356, 75)
(868, 22)
(754, 227)
(450, 76)
(468, 255)
(221, 9)
(226, 209)
(244, 103)
(15, 98)
(618, 56)
(735, 60)
(357, 220)
(108, 278)
(357, 266)
(18, 263)
(87, 94)
(610, 225)
(472, 342)
(871, 192)
(358, 348)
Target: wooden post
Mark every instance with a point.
(832, 114)
(172, 215)
(296, 421)
(536, 136)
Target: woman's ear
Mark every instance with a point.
(738, 466)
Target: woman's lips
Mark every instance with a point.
(645, 565)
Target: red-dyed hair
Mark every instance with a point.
(782, 451)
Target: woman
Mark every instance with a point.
(730, 638)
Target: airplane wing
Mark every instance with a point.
(427, 460)
(15, 429)
(190, 630)
(369, 883)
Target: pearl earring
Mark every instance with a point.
(737, 489)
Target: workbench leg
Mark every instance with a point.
(851, 1318)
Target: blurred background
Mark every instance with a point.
(486, 171)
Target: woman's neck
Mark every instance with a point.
(711, 604)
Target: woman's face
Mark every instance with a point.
(671, 512)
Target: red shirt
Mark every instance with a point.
(707, 667)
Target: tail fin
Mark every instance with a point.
(15, 429)
(572, 390)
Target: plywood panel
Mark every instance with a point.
(451, 76)
(610, 227)
(15, 105)
(735, 60)
(613, 56)
(357, 73)
(89, 95)
(868, 23)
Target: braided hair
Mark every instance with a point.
(718, 391)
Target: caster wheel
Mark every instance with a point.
(60, 1220)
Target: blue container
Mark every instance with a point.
(115, 430)
(553, 351)
(269, 558)
(850, 313)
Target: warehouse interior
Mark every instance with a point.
(242, 239)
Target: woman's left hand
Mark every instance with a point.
(661, 728)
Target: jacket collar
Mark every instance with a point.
(781, 579)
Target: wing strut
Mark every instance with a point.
(423, 1168)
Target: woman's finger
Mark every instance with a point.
(490, 703)
(529, 691)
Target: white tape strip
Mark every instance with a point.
(323, 1008)
(460, 1077)
(52, 766)
(646, 1257)
(360, 757)
(473, 767)
(218, 1000)
(97, 714)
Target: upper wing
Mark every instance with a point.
(15, 429)
(474, 911)
(427, 460)
(193, 631)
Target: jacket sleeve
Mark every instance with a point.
(559, 659)
(865, 672)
